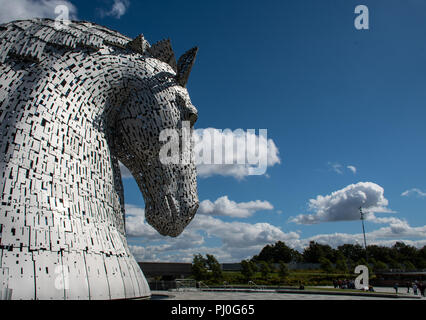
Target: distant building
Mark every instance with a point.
(166, 270)
(231, 266)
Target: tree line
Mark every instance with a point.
(399, 256)
(343, 259)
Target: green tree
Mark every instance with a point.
(403, 252)
(315, 251)
(199, 267)
(379, 253)
(379, 266)
(326, 265)
(409, 266)
(352, 252)
(342, 266)
(278, 252)
(421, 258)
(248, 269)
(214, 266)
(283, 270)
(393, 264)
(265, 269)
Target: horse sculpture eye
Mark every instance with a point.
(180, 101)
(189, 112)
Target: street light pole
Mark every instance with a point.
(363, 231)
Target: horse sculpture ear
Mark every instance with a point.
(139, 44)
(162, 50)
(184, 66)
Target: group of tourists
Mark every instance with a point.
(349, 284)
(418, 287)
(344, 284)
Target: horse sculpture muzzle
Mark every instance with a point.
(171, 207)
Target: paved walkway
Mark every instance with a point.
(197, 295)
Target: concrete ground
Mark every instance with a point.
(270, 295)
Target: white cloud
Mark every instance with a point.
(125, 173)
(245, 152)
(232, 241)
(240, 155)
(397, 229)
(119, 8)
(27, 9)
(336, 239)
(414, 191)
(225, 207)
(136, 226)
(237, 240)
(240, 234)
(233, 234)
(352, 168)
(240, 241)
(336, 167)
(164, 254)
(344, 204)
(339, 168)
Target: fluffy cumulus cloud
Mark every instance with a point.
(118, 9)
(240, 234)
(27, 9)
(225, 207)
(235, 153)
(232, 241)
(136, 226)
(397, 230)
(344, 204)
(414, 191)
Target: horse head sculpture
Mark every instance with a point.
(74, 103)
(161, 102)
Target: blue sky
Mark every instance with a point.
(330, 96)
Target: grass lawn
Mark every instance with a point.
(295, 278)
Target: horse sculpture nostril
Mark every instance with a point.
(193, 117)
(174, 211)
(193, 209)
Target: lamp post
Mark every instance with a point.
(363, 231)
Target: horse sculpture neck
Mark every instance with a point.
(76, 167)
(62, 199)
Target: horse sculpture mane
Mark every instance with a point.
(74, 102)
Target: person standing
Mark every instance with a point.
(396, 287)
(415, 288)
(422, 288)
